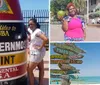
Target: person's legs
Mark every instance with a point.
(41, 72)
(32, 66)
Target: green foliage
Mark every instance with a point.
(57, 5)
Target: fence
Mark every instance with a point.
(42, 17)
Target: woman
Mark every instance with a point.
(73, 26)
(37, 50)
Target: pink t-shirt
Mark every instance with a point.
(75, 28)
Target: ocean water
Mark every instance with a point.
(80, 80)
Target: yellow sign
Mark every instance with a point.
(4, 7)
(57, 71)
(11, 59)
(58, 56)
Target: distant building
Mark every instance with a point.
(94, 5)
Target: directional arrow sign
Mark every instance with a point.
(66, 57)
(76, 57)
(55, 76)
(59, 61)
(66, 61)
(58, 56)
(60, 51)
(66, 67)
(75, 49)
(73, 71)
(56, 71)
(56, 80)
(65, 77)
(76, 62)
(73, 76)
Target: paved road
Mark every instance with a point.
(93, 33)
(56, 33)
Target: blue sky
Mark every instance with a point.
(34, 4)
(91, 60)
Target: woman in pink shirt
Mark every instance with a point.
(73, 26)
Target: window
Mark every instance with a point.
(93, 2)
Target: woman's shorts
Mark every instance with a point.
(66, 38)
(36, 55)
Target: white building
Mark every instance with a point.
(94, 5)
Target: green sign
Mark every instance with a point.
(68, 47)
(66, 61)
(66, 67)
(57, 71)
(60, 51)
(58, 56)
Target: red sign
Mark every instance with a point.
(12, 72)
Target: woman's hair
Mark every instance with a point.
(69, 5)
(35, 21)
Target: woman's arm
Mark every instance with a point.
(64, 25)
(45, 40)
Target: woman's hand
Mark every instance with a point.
(37, 47)
(60, 18)
(64, 25)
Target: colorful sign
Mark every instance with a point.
(13, 43)
(73, 71)
(9, 73)
(68, 47)
(58, 56)
(56, 80)
(5, 7)
(56, 71)
(69, 55)
(76, 57)
(10, 10)
(76, 61)
(12, 58)
(66, 61)
(60, 51)
(74, 76)
(66, 67)
(59, 61)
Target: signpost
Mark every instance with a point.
(67, 53)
